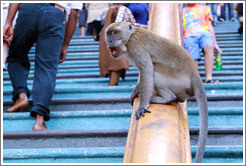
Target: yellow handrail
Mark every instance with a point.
(162, 136)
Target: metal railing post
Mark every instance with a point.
(162, 136)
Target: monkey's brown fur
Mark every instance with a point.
(164, 66)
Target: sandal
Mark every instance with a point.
(213, 81)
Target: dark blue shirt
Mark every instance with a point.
(140, 12)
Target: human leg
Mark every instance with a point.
(82, 31)
(98, 28)
(209, 61)
(90, 28)
(48, 48)
(114, 78)
(240, 29)
(18, 62)
(231, 14)
(222, 14)
(206, 43)
(214, 12)
(219, 11)
(240, 17)
(214, 7)
(82, 21)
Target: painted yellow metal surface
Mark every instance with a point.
(162, 136)
(164, 20)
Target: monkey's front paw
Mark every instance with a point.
(140, 112)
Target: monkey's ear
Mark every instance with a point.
(130, 26)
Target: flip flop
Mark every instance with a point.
(213, 81)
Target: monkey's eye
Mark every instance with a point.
(114, 32)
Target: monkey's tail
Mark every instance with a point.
(201, 98)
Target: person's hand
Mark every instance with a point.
(217, 49)
(63, 54)
(8, 33)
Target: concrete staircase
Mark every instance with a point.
(89, 120)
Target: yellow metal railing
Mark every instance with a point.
(162, 136)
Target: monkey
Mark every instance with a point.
(164, 67)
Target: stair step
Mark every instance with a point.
(194, 131)
(96, 48)
(230, 38)
(121, 99)
(83, 120)
(64, 83)
(74, 47)
(66, 155)
(221, 154)
(119, 103)
(119, 93)
(130, 73)
(92, 47)
(219, 136)
(97, 89)
(90, 44)
(73, 71)
(230, 45)
(230, 42)
(111, 119)
(95, 65)
(92, 57)
(224, 35)
(127, 81)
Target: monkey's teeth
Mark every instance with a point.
(113, 51)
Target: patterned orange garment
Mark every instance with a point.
(195, 19)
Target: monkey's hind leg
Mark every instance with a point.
(167, 96)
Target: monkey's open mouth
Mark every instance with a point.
(113, 51)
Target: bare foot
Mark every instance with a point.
(21, 102)
(39, 127)
(39, 124)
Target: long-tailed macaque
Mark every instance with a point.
(164, 67)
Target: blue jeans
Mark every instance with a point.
(230, 8)
(213, 7)
(192, 44)
(44, 25)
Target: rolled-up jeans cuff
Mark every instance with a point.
(20, 90)
(41, 110)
